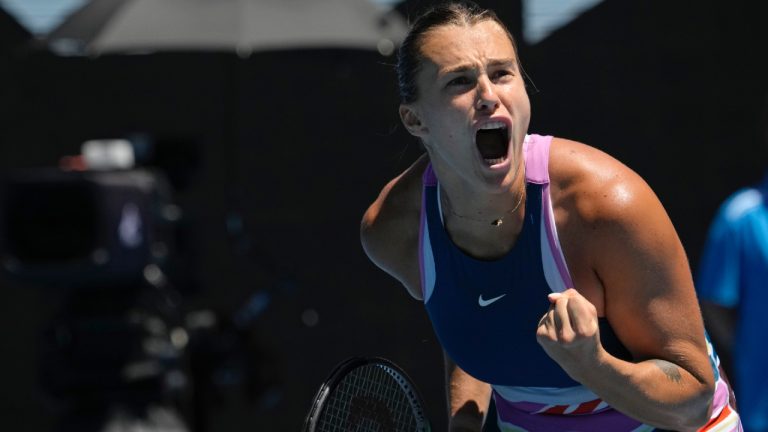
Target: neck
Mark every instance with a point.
(479, 237)
(467, 206)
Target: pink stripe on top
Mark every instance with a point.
(536, 157)
(429, 178)
(426, 259)
(536, 149)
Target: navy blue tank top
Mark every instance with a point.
(485, 313)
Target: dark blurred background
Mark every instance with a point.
(252, 172)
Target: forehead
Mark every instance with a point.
(451, 44)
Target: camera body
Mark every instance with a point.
(83, 228)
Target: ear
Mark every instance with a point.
(412, 121)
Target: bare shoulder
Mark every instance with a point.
(390, 227)
(601, 200)
(615, 229)
(594, 185)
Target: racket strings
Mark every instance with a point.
(370, 399)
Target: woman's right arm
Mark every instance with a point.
(389, 231)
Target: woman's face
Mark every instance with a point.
(472, 111)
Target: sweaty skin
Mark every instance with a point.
(624, 256)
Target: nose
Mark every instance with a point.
(487, 100)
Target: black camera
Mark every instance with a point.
(82, 228)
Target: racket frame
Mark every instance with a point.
(345, 367)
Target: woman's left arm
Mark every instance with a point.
(650, 302)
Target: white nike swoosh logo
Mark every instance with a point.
(484, 303)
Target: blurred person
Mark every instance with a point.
(551, 273)
(732, 282)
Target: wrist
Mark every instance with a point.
(592, 368)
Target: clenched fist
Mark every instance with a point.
(569, 332)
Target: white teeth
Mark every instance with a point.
(492, 162)
(494, 125)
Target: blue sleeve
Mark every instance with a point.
(719, 270)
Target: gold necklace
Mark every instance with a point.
(495, 222)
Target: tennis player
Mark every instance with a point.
(551, 273)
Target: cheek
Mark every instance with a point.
(520, 109)
(447, 119)
(523, 102)
(526, 104)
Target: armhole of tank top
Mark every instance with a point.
(552, 259)
(426, 257)
(439, 204)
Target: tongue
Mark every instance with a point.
(492, 143)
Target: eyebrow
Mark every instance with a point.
(510, 62)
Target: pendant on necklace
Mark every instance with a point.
(497, 222)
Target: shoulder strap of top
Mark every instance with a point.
(429, 178)
(536, 156)
(536, 150)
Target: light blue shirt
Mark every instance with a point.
(733, 273)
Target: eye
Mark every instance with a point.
(502, 74)
(459, 81)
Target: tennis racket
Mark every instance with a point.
(367, 394)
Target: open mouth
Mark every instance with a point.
(492, 141)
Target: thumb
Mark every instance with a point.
(553, 297)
